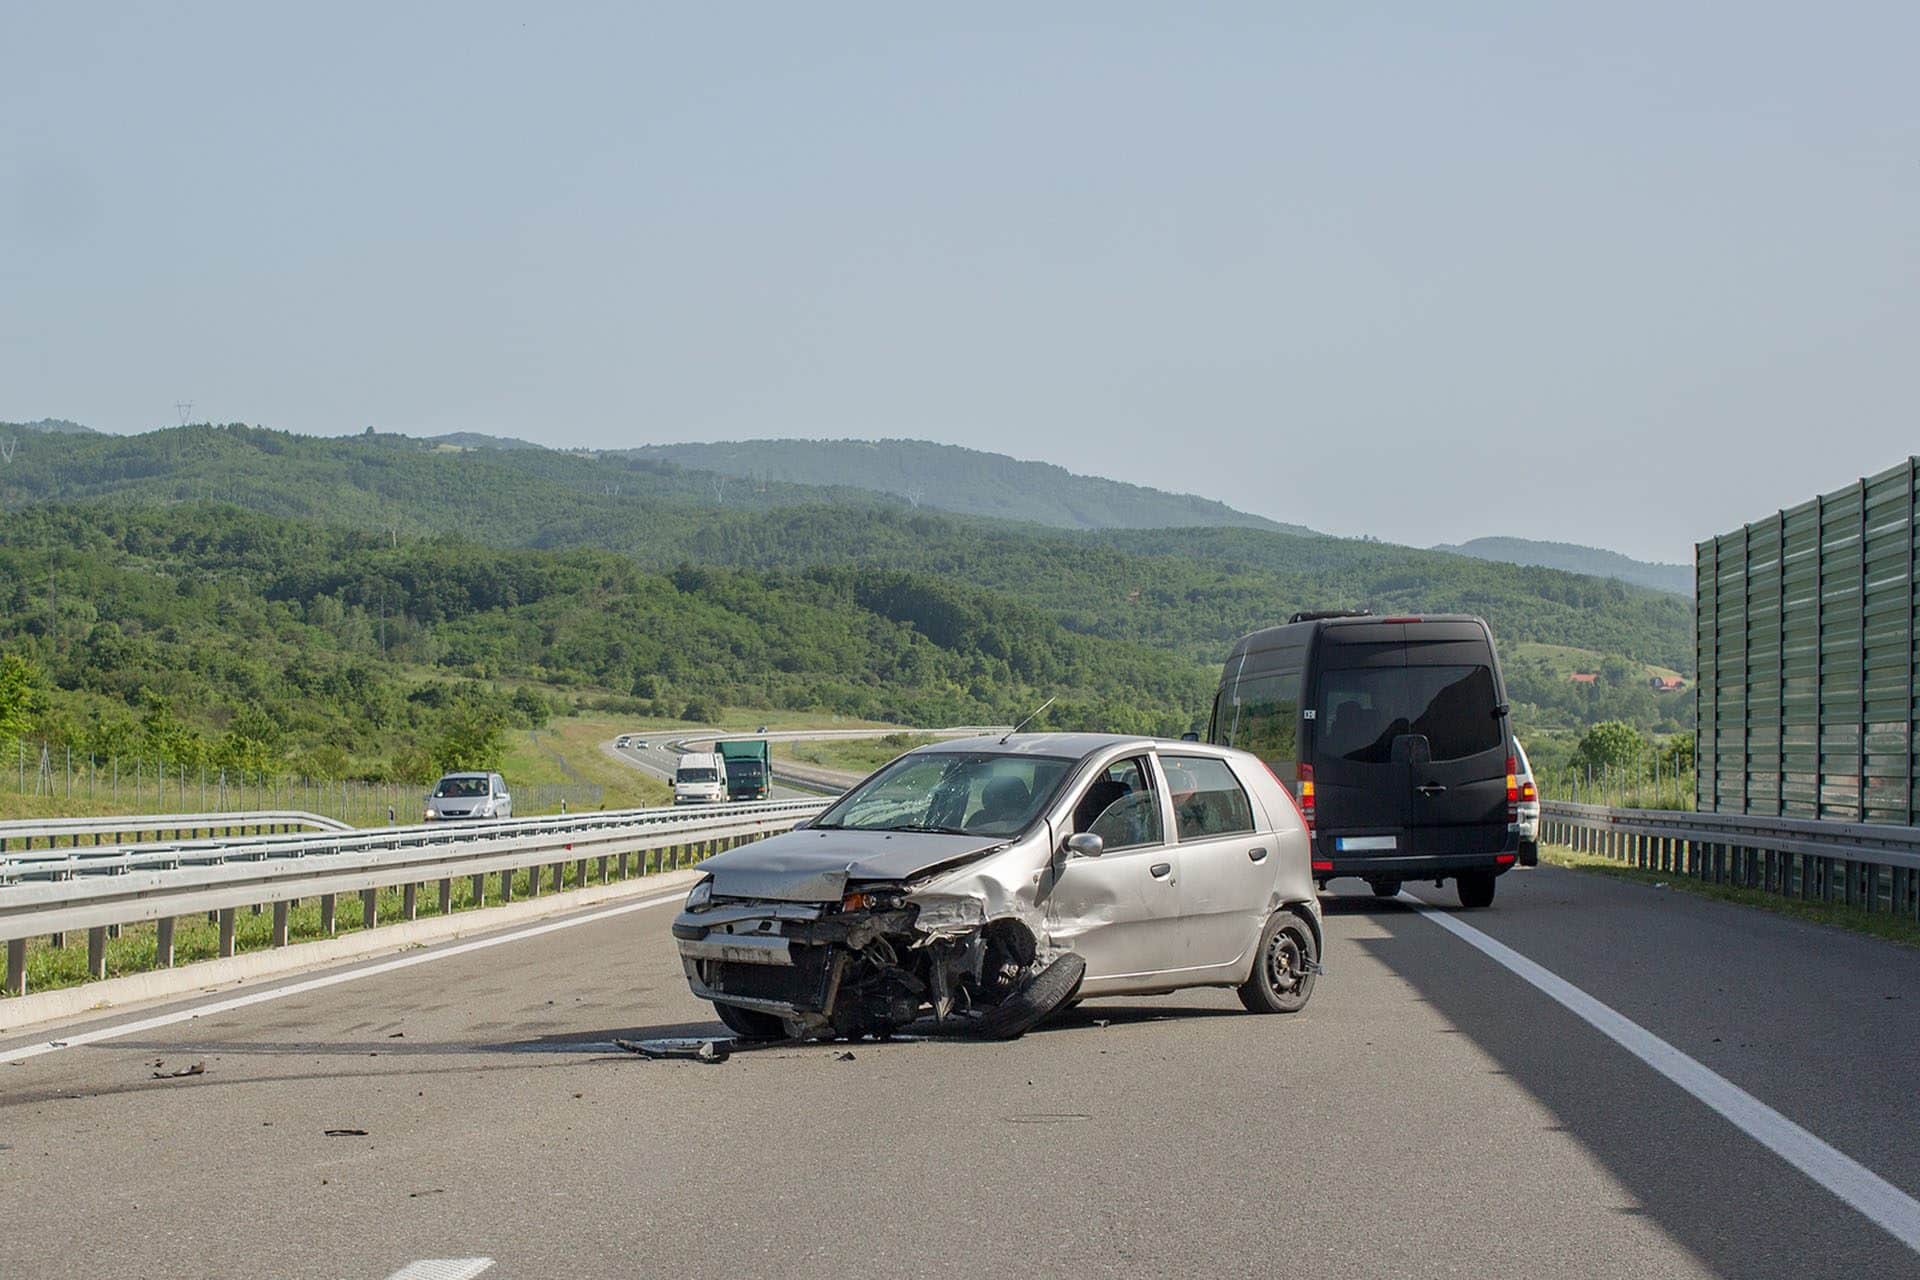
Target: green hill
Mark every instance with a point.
(1677, 578)
(1183, 593)
(199, 633)
(963, 481)
(49, 426)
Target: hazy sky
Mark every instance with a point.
(1624, 274)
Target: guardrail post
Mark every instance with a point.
(369, 908)
(506, 885)
(280, 924)
(97, 952)
(16, 966)
(446, 897)
(226, 931)
(559, 876)
(603, 870)
(163, 943)
(479, 890)
(327, 907)
(624, 856)
(579, 874)
(410, 902)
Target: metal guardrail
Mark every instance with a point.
(1868, 865)
(21, 833)
(137, 884)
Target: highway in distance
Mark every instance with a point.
(1431, 1113)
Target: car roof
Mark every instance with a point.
(1075, 746)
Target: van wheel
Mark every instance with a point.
(1283, 968)
(1476, 890)
(1384, 888)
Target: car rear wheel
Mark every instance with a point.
(751, 1024)
(1476, 890)
(1384, 888)
(1285, 967)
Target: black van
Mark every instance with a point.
(1393, 734)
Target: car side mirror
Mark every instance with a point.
(1085, 844)
(1189, 736)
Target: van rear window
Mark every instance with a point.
(1362, 710)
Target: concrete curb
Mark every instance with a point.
(34, 1008)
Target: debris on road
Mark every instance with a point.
(345, 1133)
(696, 1049)
(844, 1057)
(196, 1069)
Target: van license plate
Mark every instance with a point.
(1361, 844)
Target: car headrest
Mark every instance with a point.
(1005, 795)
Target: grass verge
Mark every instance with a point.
(1878, 924)
(855, 755)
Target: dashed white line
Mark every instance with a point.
(78, 1038)
(1869, 1194)
(442, 1269)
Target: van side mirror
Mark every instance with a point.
(1189, 736)
(1085, 844)
(1502, 709)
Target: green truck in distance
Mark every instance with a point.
(749, 768)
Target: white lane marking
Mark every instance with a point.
(23, 1052)
(1876, 1199)
(442, 1269)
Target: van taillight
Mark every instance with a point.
(1305, 798)
(1528, 794)
(1513, 789)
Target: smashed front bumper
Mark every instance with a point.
(787, 959)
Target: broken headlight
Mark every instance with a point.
(873, 900)
(702, 895)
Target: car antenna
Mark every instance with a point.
(1029, 720)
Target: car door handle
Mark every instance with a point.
(1257, 855)
(1161, 870)
(1430, 788)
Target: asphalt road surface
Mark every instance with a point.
(1431, 1113)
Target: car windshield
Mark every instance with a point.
(696, 775)
(955, 793)
(461, 787)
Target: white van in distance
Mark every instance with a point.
(700, 778)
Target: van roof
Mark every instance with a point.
(1297, 633)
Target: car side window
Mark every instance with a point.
(1207, 799)
(1121, 807)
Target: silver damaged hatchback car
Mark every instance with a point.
(981, 884)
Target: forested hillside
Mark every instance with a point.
(947, 477)
(202, 632)
(619, 577)
(1677, 578)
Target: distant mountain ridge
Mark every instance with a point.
(963, 481)
(50, 426)
(1594, 561)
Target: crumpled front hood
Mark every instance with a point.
(814, 866)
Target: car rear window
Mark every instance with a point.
(1207, 798)
(1362, 710)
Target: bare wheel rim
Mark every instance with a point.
(1286, 962)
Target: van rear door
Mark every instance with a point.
(1362, 789)
(1458, 783)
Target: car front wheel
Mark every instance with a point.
(1285, 967)
(750, 1024)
